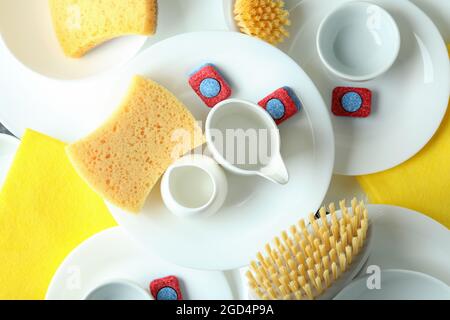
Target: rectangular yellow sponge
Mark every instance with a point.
(124, 158)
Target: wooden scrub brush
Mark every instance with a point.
(313, 261)
(265, 19)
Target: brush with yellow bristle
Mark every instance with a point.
(265, 19)
(313, 261)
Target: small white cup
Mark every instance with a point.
(245, 119)
(118, 290)
(358, 41)
(194, 185)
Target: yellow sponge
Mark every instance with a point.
(124, 158)
(265, 19)
(81, 25)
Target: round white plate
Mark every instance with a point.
(406, 239)
(64, 109)
(27, 30)
(397, 285)
(8, 148)
(255, 208)
(112, 255)
(409, 101)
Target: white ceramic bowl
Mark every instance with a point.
(194, 185)
(118, 290)
(358, 41)
(27, 30)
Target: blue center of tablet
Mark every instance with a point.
(210, 88)
(167, 293)
(276, 108)
(351, 102)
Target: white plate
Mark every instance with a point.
(64, 109)
(27, 30)
(402, 239)
(406, 239)
(397, 285)
(111, 255)
(8, 148)
(255, 209)
(409, 101)
(439, 12)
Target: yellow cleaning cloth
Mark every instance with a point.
(421, 183)
(46, 210)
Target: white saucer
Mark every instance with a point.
(111, 255)
(255, 209)
(409, 101)
(406, 239)
(27, 30)
(397, 285)
(8, 148)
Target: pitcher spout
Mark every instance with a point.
(276, 171)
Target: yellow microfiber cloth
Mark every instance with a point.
(46, 210)
(421, 183)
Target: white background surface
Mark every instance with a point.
(341, 187)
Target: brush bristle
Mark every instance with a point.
(303, 263)
(265, 19)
